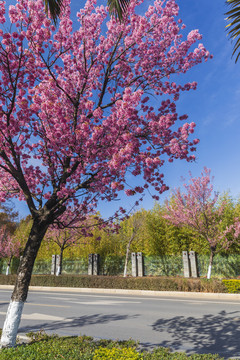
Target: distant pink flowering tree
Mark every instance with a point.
(197, 208)
(76, 116)
(9, 246)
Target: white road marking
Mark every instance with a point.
(191, 301)
(90, 295)
(35, 304)
(38, 316)
(95, 302)
(105, 302)
(61, 298)
(51, 305)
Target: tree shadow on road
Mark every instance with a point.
(209, 334)
(76, 322)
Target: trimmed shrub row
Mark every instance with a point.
(160, 283)
(232, 286)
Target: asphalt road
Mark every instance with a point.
(183, 324)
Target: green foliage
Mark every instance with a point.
(157, 233)
(163, 238)
(116, 354)
(162, 353)
(233, 286)
(45, 347)
(39, 335)
(8, 218)
(23, 229)
(153, 235)
(52, 347)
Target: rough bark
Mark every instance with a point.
(20, 291)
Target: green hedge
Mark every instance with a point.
(233, 286)
(160, 283)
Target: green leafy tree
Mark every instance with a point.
(22, 231)
(156, 241)
(164, 238)
(8, 218)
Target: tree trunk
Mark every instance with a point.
(19, 295)
(8, 265)
(210, 264)
(127, 255)
(126, 261)
(59, 268)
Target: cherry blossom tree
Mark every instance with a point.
(76, 113)
(197, 208)
(67, 231)
(9, 246)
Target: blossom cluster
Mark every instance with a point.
(76, 106)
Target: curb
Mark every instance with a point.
(180, 294)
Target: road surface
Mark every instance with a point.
(203, 325)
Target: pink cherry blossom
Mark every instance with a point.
(197, 208)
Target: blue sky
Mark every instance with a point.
(214, 106)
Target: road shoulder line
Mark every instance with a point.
(151, 293)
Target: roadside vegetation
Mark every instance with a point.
(160, 240)
(147, 231)
(44, 347)
(154, 283)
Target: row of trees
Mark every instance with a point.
(195, 219)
